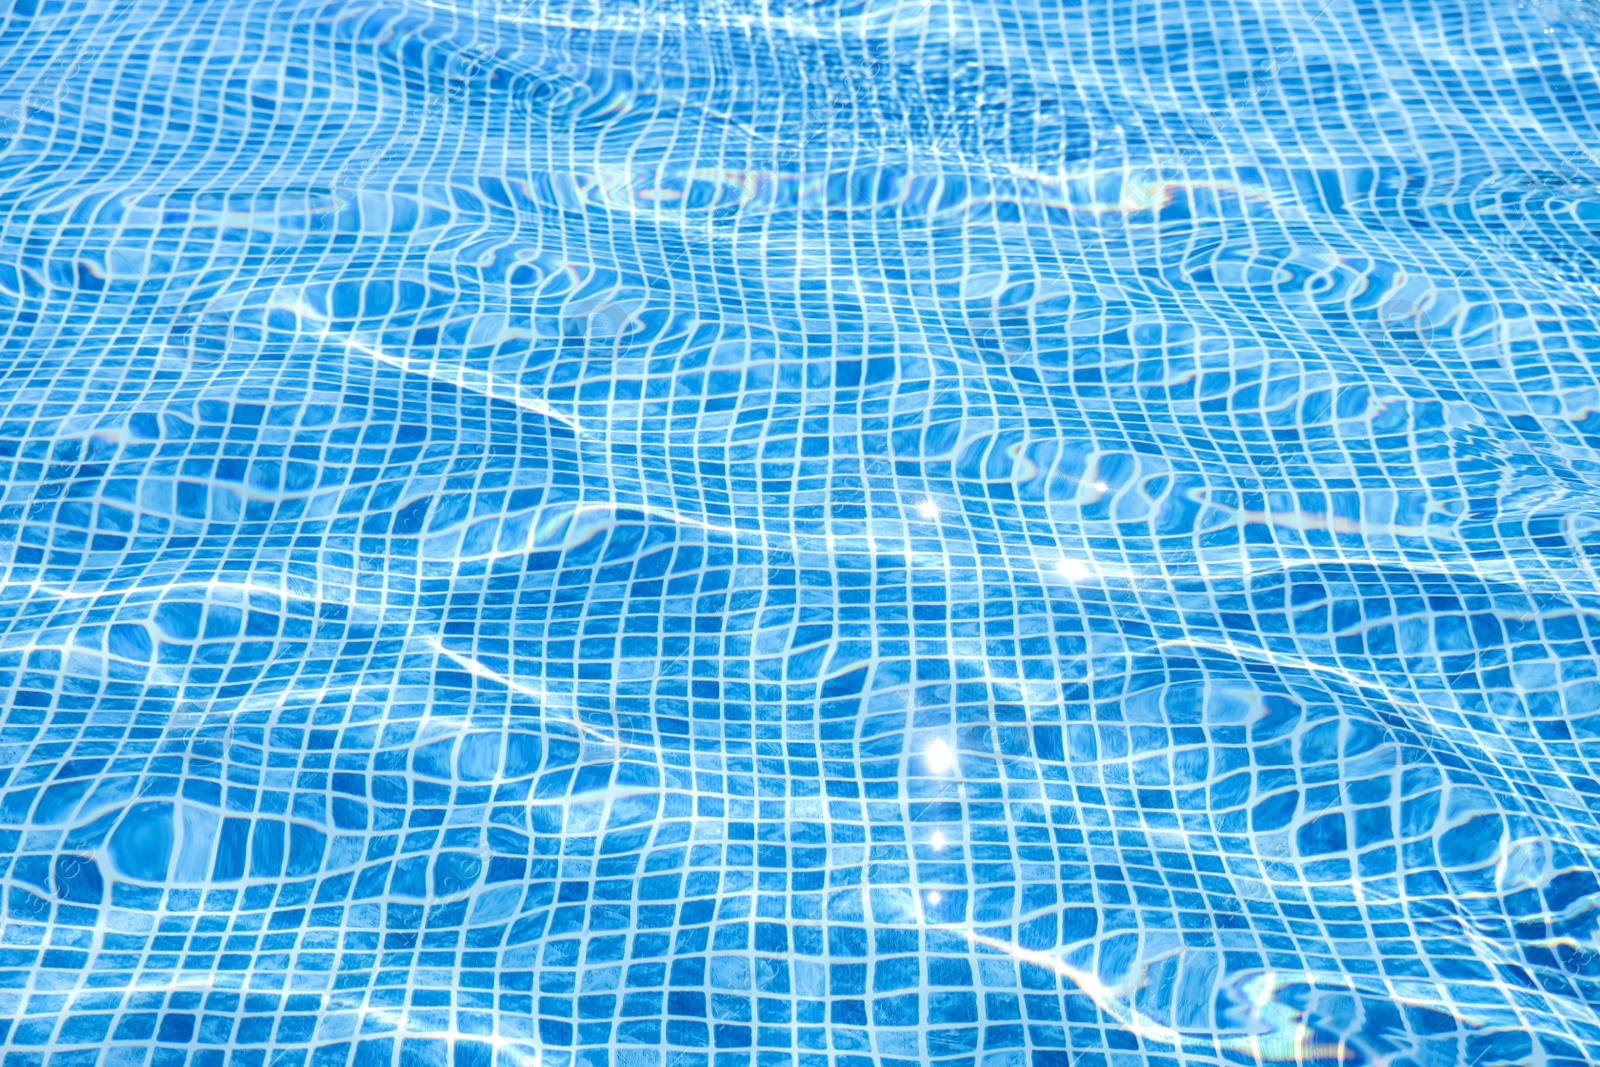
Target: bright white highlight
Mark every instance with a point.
(1074, 570)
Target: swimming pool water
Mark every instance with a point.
(723, 534)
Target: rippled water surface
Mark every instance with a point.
(711, 534)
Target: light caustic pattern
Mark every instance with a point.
(719, 535)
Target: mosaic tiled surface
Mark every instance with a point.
(731, 535)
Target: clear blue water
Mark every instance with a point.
(722, 535)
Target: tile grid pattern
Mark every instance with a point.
(507, 509)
